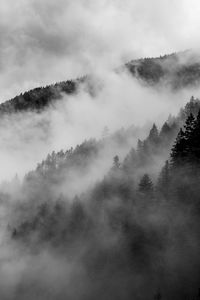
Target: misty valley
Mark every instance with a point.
(100, 193)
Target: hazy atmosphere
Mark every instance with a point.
(48, 41)
(99, 150)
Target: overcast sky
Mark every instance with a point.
(43, 41)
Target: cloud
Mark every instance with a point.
(47, 41)
(119, 101)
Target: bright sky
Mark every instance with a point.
(52, 40)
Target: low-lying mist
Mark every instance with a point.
(57, 246)
(116, 100)
(94, 213)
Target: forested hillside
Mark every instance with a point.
(99, 150)
(175, 71)
(134, 230)
(178, 70)
(39, 98)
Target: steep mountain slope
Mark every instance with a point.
(116, 234)
(64, 171)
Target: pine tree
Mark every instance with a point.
(130, 161)
(165, 130)
(166, 134)
(139, 146)
(153, 137)
(177, 152)
(164, 179)
(195, 141)
(192, 107)
(189, 126)
(187, 145)
(146, 185)
(142, 152)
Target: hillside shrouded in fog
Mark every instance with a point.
(99, 150)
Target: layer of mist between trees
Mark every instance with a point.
(105, 202)
(175, 72)
(133, 234)
(61, 116)
(115, 100)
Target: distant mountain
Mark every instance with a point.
(39, 98)
(176, 71)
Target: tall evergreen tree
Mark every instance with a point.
(189, 126)
(164, 179)
(139, 146)
(187, 146)
(153, 135)
(165, 130)
(177, 152)
(130, 161)
(146, 185)
(195, 141)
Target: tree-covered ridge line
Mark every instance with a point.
(168, 70)
(157, 144)
(138, 160)
(126, 227)
(39, 98)
(175, 70)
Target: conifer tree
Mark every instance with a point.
(187, 145)
(164, 179)
(189, 126)
(165, 130)
(195, 141)
(139, 146)
(177, 152)
(166, 134)
(130, 160)
(145, 185)
(153, 135)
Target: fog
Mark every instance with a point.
(88, 232)
(48, 41)
(118, 101)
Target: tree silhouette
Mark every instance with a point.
(145, 185)
(164, 179)
(177, 152)
(195, 140)
(153, 135)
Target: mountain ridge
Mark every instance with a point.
(174, 71)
